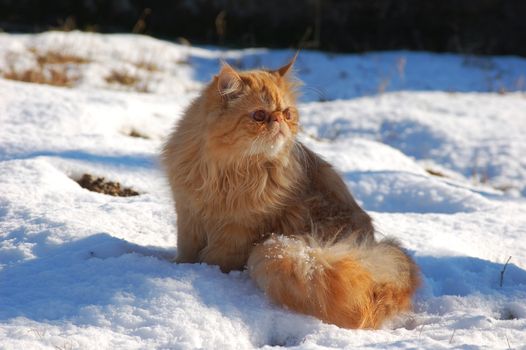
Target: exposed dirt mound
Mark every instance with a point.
(100, 185)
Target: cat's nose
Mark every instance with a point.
(276, 117)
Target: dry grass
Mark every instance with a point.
(57, 57)
(56, 76)
(127, 79)
(52, 68)
(147, 66)
(66, 25)
(61, 67)
(122, 78)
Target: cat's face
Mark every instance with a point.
(257, 113)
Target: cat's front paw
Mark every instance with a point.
(181, 259)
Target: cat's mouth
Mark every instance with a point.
(277, 136)
(278, 132)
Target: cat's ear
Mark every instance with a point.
(286, 68)
(229, 83)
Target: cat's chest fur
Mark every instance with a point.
(248, 192)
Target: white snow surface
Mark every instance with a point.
(83, 270)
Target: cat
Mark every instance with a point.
(249, 195)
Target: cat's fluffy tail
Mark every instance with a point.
(347, 284)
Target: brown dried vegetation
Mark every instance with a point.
(147, 66)
(57, 76)
(57, 57)
(100, 185)
(124, 78)
(52, 68)
(121, 78)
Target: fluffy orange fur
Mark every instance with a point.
(248, 194)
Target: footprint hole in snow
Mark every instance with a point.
(288, 341)
(512, 312)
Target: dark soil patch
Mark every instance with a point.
(135, 133)
(100, 185)
(435, 173)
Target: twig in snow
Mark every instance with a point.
(66, 346)
(39, 333)
(452, 335)
(421, 329)
(508, 341)
(504, 270)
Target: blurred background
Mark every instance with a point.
(496, 27)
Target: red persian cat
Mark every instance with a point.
(249, 195)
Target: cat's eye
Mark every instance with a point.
(287, 114)
(259, 115)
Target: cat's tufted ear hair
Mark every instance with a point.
(229, 83)
(286, 68)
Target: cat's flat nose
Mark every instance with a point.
(276, 117)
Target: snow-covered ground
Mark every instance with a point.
(83, 270)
